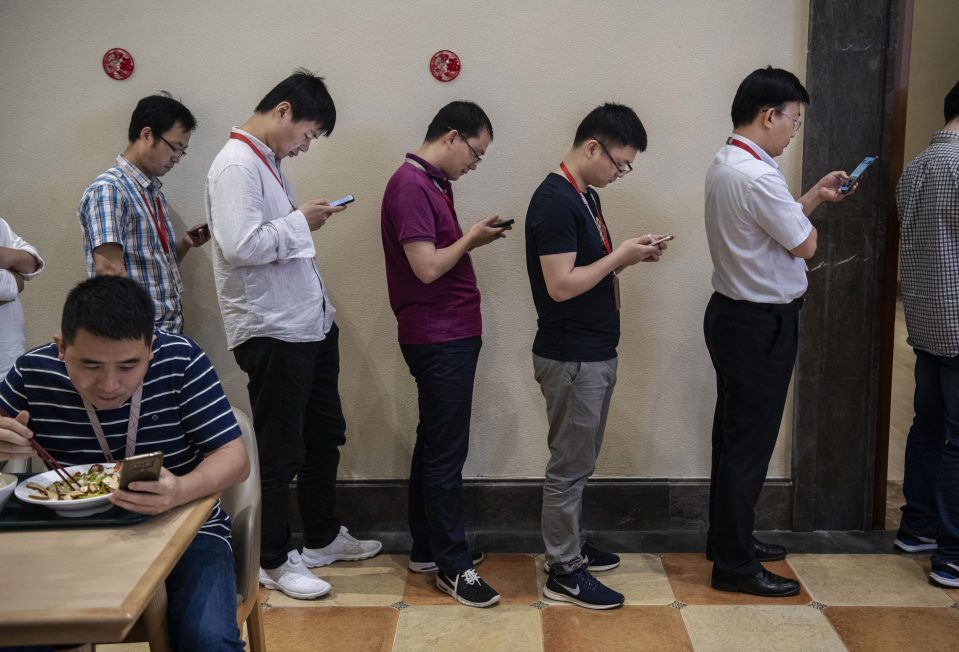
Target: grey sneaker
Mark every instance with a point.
(343, 548)
(294, 579)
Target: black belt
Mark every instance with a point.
(793, 306)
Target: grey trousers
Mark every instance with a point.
(577, 403)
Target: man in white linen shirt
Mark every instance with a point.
(759, 238)
(279, 325)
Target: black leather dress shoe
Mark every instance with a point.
(762, 583)
(768, 551)
(764, 551)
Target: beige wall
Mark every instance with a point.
(536, 67)
(933, 70)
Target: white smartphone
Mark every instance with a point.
(342, 201)
(666, 238)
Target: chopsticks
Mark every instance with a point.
(48, 459)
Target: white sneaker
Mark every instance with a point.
(294, 579)
(343, 548)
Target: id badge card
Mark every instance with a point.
(616, 292)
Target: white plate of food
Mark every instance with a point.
(97, 482)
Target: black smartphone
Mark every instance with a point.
(141, 467)
(854, 177)
(343, 201)
(500, 225)
(199, 230)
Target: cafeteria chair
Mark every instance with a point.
(242, 503)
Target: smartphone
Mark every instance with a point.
(343, 201)
(854, 177)
(665, 238)
(141, 467)
(196, 231)
(500, 225)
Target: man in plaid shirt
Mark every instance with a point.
(125, 219)
(928, 201)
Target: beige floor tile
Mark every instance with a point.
(640, 578)
(867, 580)
(344, 629)
(376, 582)
(760, 627)
(572, 629)
(925, 562)
(891, 629)
(457, 628)
(690, 575)
(512, 575)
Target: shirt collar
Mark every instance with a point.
(946, 133)
(763, 156)
(137, 174)
(260, 145)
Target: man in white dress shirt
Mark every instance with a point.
(279, 324)
(18, 262)
(759, 238)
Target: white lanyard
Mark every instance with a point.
(132, 424)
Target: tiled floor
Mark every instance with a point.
(870, 603)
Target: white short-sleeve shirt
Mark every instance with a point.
(752, 221)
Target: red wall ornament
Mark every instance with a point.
(445, 65)
(118, 63)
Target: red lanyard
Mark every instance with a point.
(256, 150)
(741, 145)
(159, 221)
(600, 222)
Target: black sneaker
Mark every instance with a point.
(429, 566)
(579, 587)
(594, 559)
(467, 588)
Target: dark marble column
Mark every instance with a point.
(849, 76)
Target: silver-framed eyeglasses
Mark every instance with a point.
(797, 123)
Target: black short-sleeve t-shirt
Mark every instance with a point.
(584, 328)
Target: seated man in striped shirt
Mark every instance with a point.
(111, 386)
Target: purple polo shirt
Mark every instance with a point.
(415, 209)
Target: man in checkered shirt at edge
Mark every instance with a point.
(928, 201)
(124, 216)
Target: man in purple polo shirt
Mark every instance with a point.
(434, 296)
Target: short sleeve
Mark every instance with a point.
(777, 212)
(413, 216)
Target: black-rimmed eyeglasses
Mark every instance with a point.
(620, 171)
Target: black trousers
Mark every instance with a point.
(299, 424)
(444, 376)
(753, 350)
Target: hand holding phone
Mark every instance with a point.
(854, 177)
(343, 201)
(200, 232)
(665, 238)
(141, 467)
(503, 224)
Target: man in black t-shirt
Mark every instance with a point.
(572, 269)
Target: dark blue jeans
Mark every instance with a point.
(201, 591)
(444, 376)
(931, 478)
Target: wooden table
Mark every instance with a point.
(91, 585)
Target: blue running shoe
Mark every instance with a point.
(594, 559)
(579, 587)
(912, 543)
(945, 574)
